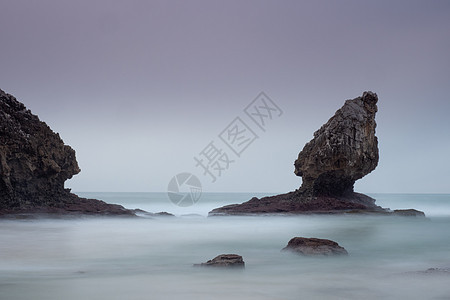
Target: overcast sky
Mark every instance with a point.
(140, 88)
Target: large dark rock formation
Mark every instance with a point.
(342, 151)
(35, 163)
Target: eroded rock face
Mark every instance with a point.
(314, 246)
(224, 261)
(342, 151)
(35, 163)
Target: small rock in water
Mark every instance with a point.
(314, 246)
(408, 213)
(164, 214)
(141, 212)
(437, 271)
(224, 261)
(432, 271)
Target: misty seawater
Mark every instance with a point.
(152, 258)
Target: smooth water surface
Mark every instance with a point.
(152, 258)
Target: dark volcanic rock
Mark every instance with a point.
(342, 151)
(224, 260)
(298, 203)
(314, 246)
(35, 163)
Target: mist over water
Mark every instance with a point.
(151, 258)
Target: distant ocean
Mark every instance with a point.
(151, 258)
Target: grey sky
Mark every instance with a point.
(138, 88)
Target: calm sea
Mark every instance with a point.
(151, 258)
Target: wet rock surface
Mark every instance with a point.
(35, 163)
(224, 261)
(314, 247)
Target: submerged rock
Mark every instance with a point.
(434, 271)
(408, 213)
(314, 246)
(224, 261)
(35, 163)
(142, 213)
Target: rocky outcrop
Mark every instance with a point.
(35, 163)
(342, 151)
(314, 247)
(224, 261)
(298, 203)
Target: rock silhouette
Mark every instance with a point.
(35, 163)
(342, 151)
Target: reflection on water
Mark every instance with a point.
(102, 258)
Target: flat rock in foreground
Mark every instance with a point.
(35, 163)
(298, 203)
(314, 247)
